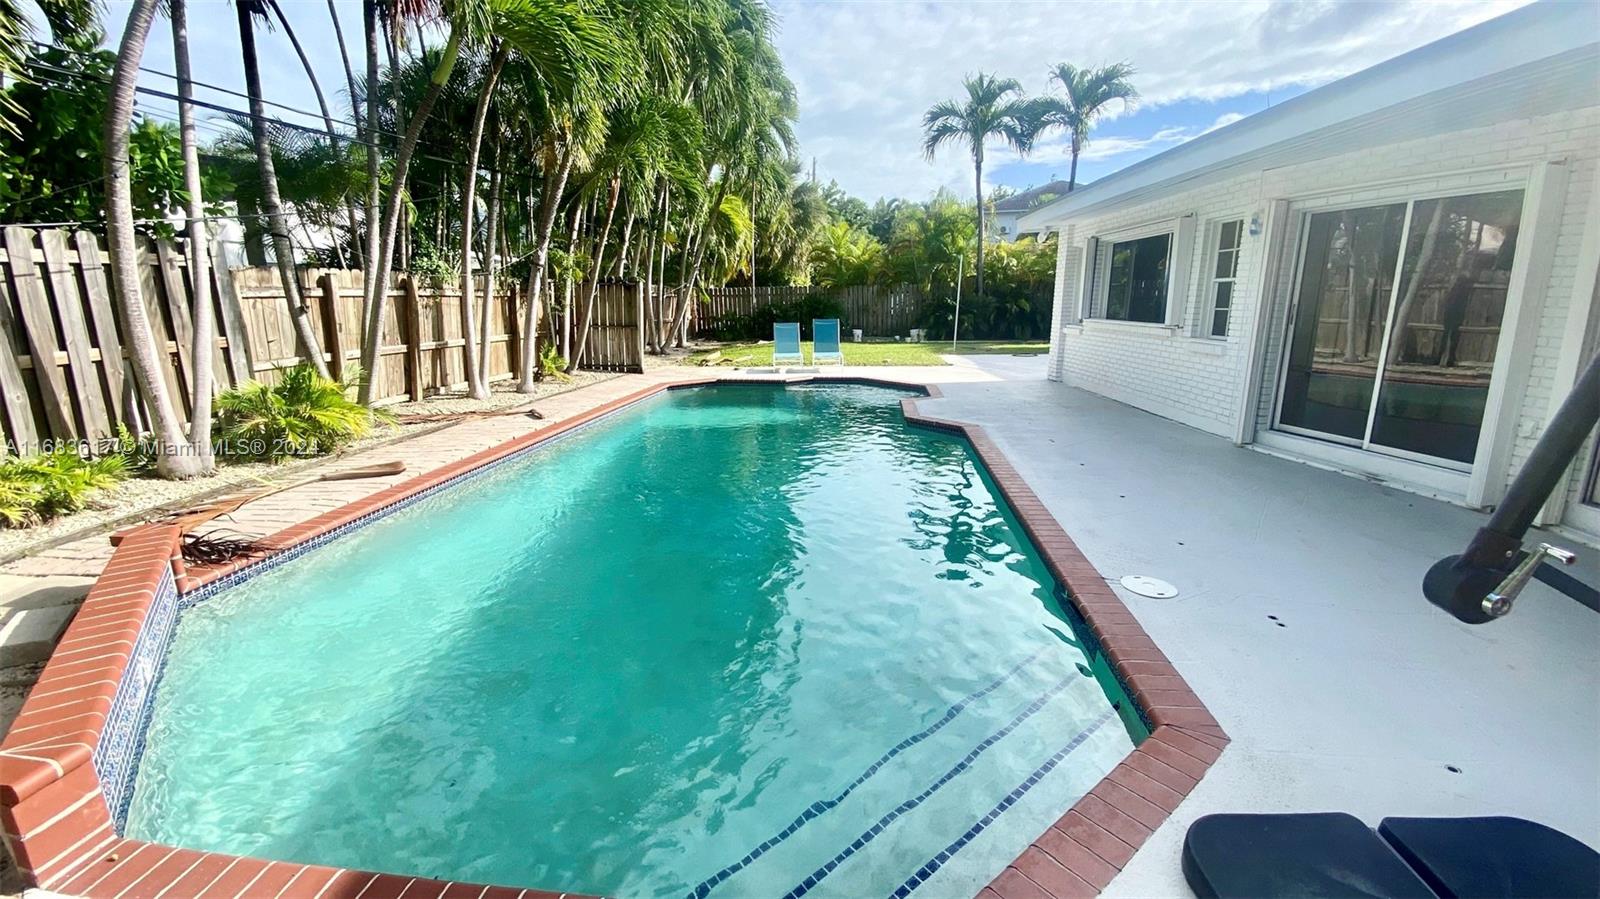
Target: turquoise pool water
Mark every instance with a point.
(736, 641)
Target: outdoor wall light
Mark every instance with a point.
(1255, 224)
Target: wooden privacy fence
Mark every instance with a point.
(876, 310)
(423, 351)
(616, 342)
(65, 376)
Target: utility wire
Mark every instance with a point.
(217, 107)
(313, 114)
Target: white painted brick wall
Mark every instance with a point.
(1199, 381)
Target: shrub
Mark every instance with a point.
(38, 488)
(758, 325)
(138, 453)
(304, 414)
(552, 364)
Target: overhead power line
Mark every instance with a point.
(245, 113)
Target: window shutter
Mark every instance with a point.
(1179, 282)
(1087, 301)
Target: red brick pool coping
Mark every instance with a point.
(60, 831)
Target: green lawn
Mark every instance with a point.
(760, 354)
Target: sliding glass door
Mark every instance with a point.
(1397, 318)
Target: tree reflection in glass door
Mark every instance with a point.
(1345, 282)
(1441, 348)
(1394, 351)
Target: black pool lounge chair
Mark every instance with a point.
(1334, 854)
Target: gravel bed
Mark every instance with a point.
(142, 497)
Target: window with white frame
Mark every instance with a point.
(1135, 281)
(1224, 277)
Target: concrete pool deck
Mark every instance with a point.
(1366, 696)
(1330, 710)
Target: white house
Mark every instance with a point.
(1007, 212)
(1393, 275)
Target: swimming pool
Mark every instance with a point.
(737, 640)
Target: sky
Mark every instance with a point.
(866, 70)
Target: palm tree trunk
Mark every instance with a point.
(322, 104)
(369, 257)
(491, 232)
(469, 198)
(201, 352)
(277, 222)
(661, 271)
(349, 73)
(171, 459)
(977, 169)
(594, 275)
(373, 329)
(682, 319)
(568, 321)
(555, 182)
(690, 248)
(619, 265)
(1072, 178)
(650, 299)
(355, 116)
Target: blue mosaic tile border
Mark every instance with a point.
(816, 877)
(816, 809)
(922, 874)
(116, 756)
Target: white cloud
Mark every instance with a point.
(1056, 148)
(866, 71)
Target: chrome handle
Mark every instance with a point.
(1498, 604)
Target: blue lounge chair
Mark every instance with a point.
(786, 344)
(825, 341)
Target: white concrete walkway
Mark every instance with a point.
(1365, 697)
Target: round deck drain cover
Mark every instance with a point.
(1155, 588)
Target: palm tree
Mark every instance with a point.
(199, 270)
(171, 459)
(66, 19)
(476, 385)
(464, 19)
(994, 108)
(748, 109)
(1087, 93)
(271, 202)
(844, 256)
(636, 154)
(322, 105)
(566, 44)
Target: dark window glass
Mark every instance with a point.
(1138, 286)
(1227, 269)
(1341, 308)
(1223, 302)
(1446, 328)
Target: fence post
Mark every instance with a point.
(19, 409)
(331, 326)
(638, 327)
(513, 329)
(412, 309)
(241, 355)
(85, 380)
(40, 327)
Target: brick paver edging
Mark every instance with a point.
(60, 830)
